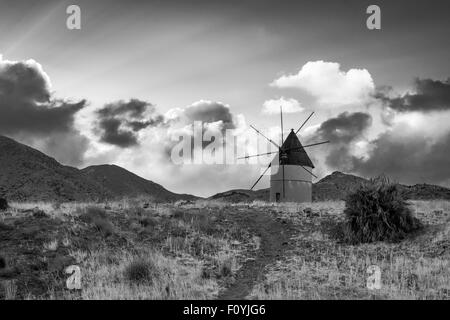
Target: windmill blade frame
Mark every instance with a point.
(307, 146)
(309, 172)
(258, 155)
(284, 150)
(304, 122)
(270, 164)
(270, 140)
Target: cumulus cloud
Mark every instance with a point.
(289, 105)
(29, 113)
(430, 95)
(120, 122)
(331, 86)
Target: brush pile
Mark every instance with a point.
(377, 211)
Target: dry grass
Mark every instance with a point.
(321, 268)
(106, 275)
(189, 258)
(51, 245)
(9, 289)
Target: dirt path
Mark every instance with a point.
(275, 235)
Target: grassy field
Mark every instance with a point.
(319, 267)
(206, 250)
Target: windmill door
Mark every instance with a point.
(277, 197)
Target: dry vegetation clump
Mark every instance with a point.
(141, 270)
(3, 204)
(202, 221)
(2, 262)
(99, 219)
(148, 221)
(226, 268)
(90, 213)
(378, 212)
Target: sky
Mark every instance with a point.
(139, 73)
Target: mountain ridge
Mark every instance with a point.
(336, 186)
(27, 174)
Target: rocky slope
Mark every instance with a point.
(29, 175)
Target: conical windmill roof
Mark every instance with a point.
(295, 157)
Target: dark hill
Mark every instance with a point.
(335, 187)
(242, 195)
(123, 183)
(29, 175)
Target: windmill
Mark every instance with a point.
(291, 170)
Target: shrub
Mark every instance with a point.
(148, 222)
(2, 262)
(378, 212)
(3, 204)
(141, 270)
(104, 226)
(98, 218)
(92, 213)
(201, 221)
(136, 211)
(226, 268)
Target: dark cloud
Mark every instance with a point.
(430, 95)
(342, 131)
(134, 108)
(29, 113)
(413, 159)
(119, 122)
(210, 111)
(25, 103)
(407, 158)
(345, 127)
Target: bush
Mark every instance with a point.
(104, 226)
(2, 262)
(378, 212)
(92, 213)
(201, 221)
(3, 204)
(148, 222)
(225, 268)
(136, 211)
(98, 218)
(141, 270)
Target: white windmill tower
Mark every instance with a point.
(291, 169)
